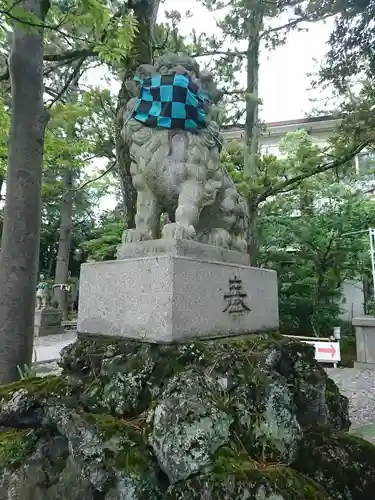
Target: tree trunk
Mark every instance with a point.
(21, 232)
(61, 295)
(145, 14)
(65, 239)
(253, 236)
(129, 194)
(316, 301)
(252, 129)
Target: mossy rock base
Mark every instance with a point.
(273, 483)
(235, 419)
(345, 464)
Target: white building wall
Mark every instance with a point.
(353, 305)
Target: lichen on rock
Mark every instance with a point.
(189, 423)
(344, 463)
(317, 398)
(233, 419)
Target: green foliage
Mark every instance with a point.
(244, 24)
(299, 161)
(309, 229)
(79, 137)
(90, 25)
(313, 239)
(91, 119)
(351, 45)
(105, 237)
(26, 372)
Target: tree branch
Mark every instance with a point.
(69, 80)
(293, 23)
(227, 53)
(85, 184)
(53, 93)
(70, 56)
(270, 191)
(234, 92)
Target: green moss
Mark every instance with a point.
(86, 357)
(15, 447)
(344, 463)
(124, 442)
(338, 406)
(231, 460)
(271, 482)
(38, 387)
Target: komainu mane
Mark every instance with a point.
(176, 165)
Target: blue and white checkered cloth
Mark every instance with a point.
(172, 102)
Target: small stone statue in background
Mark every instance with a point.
(43, 295)
(47, 320)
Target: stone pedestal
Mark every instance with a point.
(47, 322)
(365, 339)
(176, 291)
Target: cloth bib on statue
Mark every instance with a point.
(172, 102)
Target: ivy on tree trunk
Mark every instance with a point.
(21, 231)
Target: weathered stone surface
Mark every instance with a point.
(182, 248)
(85, 455)
(266, 417)
(166, 298)
(365, 341)
(190, 422)
(205, 420)
(47, 322)
(317, 399)
(343, 463)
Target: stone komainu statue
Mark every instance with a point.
(175, 143)
(43, 295)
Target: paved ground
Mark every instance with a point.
(47, 351)
(48, 348)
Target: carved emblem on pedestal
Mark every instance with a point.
(236, 297)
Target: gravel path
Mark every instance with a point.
(359, 387)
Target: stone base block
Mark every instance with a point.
(174, 298)
(43, 331)
(365, 339)
(47, 322)
(181, 248)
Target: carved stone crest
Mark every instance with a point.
(236, 297)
